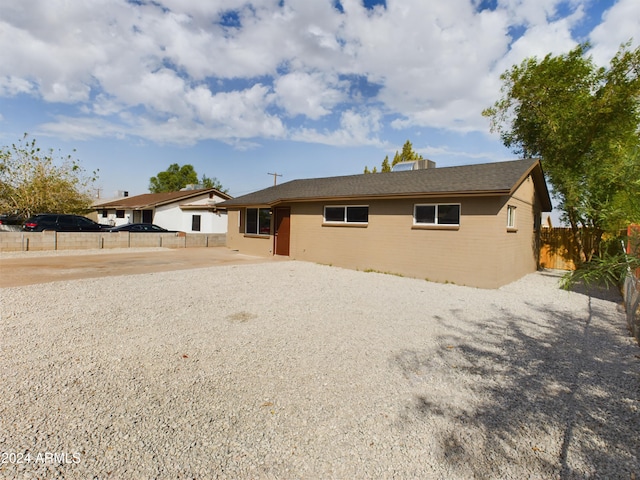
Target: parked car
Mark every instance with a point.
(140, 227)
(10, 219)
(10, 222)
(61, 223)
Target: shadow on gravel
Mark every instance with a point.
(552, 398)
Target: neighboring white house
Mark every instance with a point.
(188, 210)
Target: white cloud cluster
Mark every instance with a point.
(240, 70)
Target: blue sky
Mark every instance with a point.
(304, 88)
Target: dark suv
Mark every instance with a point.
(61, 223)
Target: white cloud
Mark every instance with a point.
(171, 71)
(310, 94)
(11, 86)
(619, 24)
(355, 128)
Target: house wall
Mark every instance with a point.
(519, 248)
(112, 219)
(481, 252)
(390, 243)
(249, 244)
(172, 217)
(210, 222)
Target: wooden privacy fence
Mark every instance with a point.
(558, 249)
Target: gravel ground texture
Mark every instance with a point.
(293, 370)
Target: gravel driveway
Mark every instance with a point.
(295, 370)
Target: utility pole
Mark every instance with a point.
(275, 177)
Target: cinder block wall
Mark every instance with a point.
(41, 241)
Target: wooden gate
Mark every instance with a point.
(557, 249)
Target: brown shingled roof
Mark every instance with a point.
(488, 178)
(148, 200)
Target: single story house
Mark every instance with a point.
(475, 225)
(188, 210)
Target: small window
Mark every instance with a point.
(511, 216)
(104, 213)
(436, 214)
(195, 223)
(347, 214)
(258, 221)
(119, 213)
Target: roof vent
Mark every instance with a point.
(414, 165)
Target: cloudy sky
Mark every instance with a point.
(303, 88)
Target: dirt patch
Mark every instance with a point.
(25, 269)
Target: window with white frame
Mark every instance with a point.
(357, 214)
(258, 221)
(511, 216)
(436, 214)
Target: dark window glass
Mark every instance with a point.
(357, 214)
(258, 221)
(66, 221)
(252, 221)
(334, 214)
(425, 214)
(119, 213)
(264, 221)
(448, 214)
(195, 223)
(84, 222)
(437, 214)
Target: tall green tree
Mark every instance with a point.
(174, 178)
(582, 122)
(207, 182)
(35, 181)
(177, 177)
(406, 155)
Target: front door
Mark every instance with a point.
(283, 230)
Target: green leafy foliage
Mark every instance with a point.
(173, 179)
(609, 269)
(177, 177)
(406, 155)
(34, 181)
(582, 121)
(207, 182)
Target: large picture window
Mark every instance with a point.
(258, 221)
(436, 214)
(346, 214)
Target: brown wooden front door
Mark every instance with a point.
(283, 230)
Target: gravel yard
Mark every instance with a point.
(292, 370)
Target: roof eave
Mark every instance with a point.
(338, 198)
(541, 185)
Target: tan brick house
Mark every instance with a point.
(474, 225)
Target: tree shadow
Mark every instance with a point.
(546, 394)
